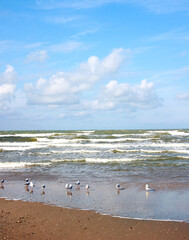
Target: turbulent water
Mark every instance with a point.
(131, 157)
(120, 154)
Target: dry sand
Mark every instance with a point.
(26, 220)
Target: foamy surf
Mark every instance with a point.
(8, 165)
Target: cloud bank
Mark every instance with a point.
(68, 88)
(65, 87)
(7, 86)
(124, 96)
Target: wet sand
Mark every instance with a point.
(26, 220)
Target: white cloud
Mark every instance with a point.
(165, 6)
(176, 34)
(128, 97)
(183, 96)
(157, 6)
(66, 87)
(33, 45)
(81, 114)
(6, 90)
(7, 86)
(11, 45)
(62, 115)
(37, 56)
(61, 20)
(184, 53)
(65, 47)
(83, 33)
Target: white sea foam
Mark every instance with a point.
(7, 165)
(172, 132)
(95, 160)
(85, 133)
(107, 160)
(132, 134)
(27, 135)
(98, 144)
(110, 140)
(17, 146)
(65, 160)
(89, 145)
(76, 151)
(178, 133)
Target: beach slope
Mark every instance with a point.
(26, 220)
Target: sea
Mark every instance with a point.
(101, 159)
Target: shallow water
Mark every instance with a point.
(101, 159)
(130, 202)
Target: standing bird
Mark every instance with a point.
(31, 185)
(68, 186)
(27, 182)
(77, 183)
(87, 186)
(2, 181)
(43, 186)
(118, 186)
(148, 188)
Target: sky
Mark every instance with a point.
(94, 64)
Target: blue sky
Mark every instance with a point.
(109, 64)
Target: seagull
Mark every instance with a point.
(68, 186)
(118, 186)
(87, 186)
(77, 183)
(31, 184)
(43, 186)
(148, 188)
(27, 180)
(2, 181)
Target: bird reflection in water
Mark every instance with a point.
(69, 194)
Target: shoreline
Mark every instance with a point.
(32, 220)
(97, 212)
(129, 202)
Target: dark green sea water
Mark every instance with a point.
(102, 159)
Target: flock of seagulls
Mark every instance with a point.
(68, 186)
(28, 183)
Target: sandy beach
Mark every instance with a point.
(27, 220)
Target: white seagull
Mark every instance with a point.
(68, 186)
(2, 181)
(87, 186)
(43, 186)
(32, 185)
(118, 186)
(148, 188)
(27, 182)
(77, 183)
